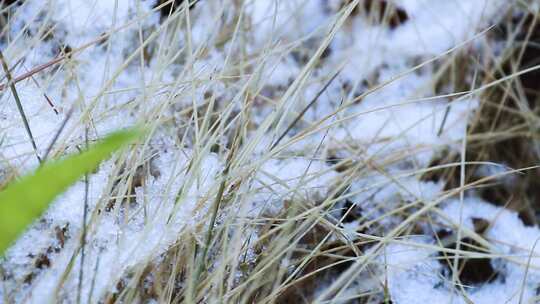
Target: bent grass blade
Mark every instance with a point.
(26, 199)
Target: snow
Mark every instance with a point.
(120, 245)
(284, 20)
(279, 180)
(395, 127)
(449, 23)
(414, 276)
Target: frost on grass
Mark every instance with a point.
(326, 200)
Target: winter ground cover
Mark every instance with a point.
(325, 151)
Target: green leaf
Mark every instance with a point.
(26, 199)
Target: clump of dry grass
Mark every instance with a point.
(503, 129)
(300, 251)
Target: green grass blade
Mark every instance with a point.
(25, 200)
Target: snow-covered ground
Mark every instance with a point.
(256, 62)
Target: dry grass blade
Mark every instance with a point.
(305, 109)
(58, 132)
(344, 151)
(11, 83)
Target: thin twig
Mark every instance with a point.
(11, 84)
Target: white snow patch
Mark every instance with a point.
(414, 275)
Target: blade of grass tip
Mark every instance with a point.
(443, 123)
(49, 101)
(23, 201)
(309, 105)
(19, 105)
